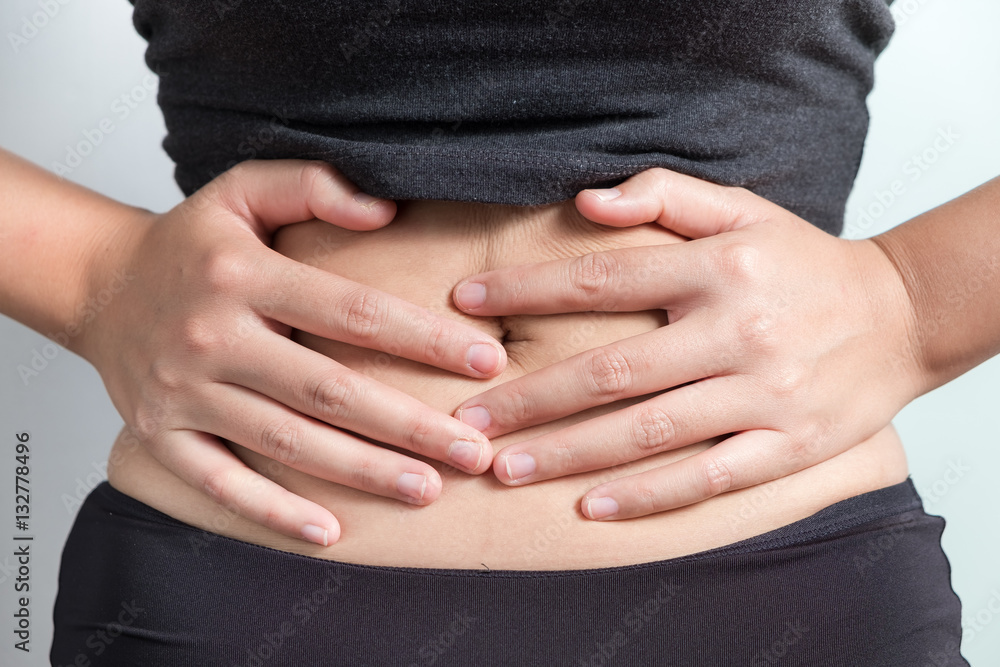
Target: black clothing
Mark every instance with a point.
(524, 102)
(861, 583)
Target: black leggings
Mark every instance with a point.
(862, 582)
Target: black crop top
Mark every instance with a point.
(517, 102)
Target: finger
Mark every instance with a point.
(271, 193)
(668, 421)
(313, 300)
(635, 366)
(626, 279)
(745, 459)
(315, 385)
(206, 464)
(289, 438)
(687, 205)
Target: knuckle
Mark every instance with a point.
(227, 191)
(148, 421)
(609, 373)
(312, 176)
(282, 441)
(439, 341)
(645, 498)
(518, 407)
(593, 272)
(735, 262)
(273, 517)
(801, 448)
(333, 397)
(662, 182)
(567, 454)
(654, 429)
(318, 181)
(659, 173)
(197, 337)
(363, 475)
(744, 205)
(225, 272)
(739, 193)
(218, 484)
(420, 434)
(787, 383)
(364, 314)
(717, 477)
(758, 332)
(166, 376)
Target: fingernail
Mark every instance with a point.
(466, 454)
(470, 295)
(412, 485)
(600, 508)
(366, 199)
(477, 417)
(519, 466)
(607, 195)
(483, 357)
(316, 535)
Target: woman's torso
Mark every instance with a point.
(478, 522)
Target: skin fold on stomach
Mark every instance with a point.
(478, 522)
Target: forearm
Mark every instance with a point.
(52, 232)
(949, 260)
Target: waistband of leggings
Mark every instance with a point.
(840, 518)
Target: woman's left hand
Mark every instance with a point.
(797, 343)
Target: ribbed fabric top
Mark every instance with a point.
(523, 102)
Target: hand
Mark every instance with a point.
(195, 348)
(794, 343)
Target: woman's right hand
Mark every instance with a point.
(194, 347)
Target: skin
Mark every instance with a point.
(478, 520)
(795, 344)
(212, 306)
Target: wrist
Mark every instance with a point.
(886, 280)
(106, 269)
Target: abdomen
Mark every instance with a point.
(477, 521)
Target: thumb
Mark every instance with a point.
(690, 206)
(268, 194)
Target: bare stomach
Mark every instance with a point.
(478, 522)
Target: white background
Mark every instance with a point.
(940, 73)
